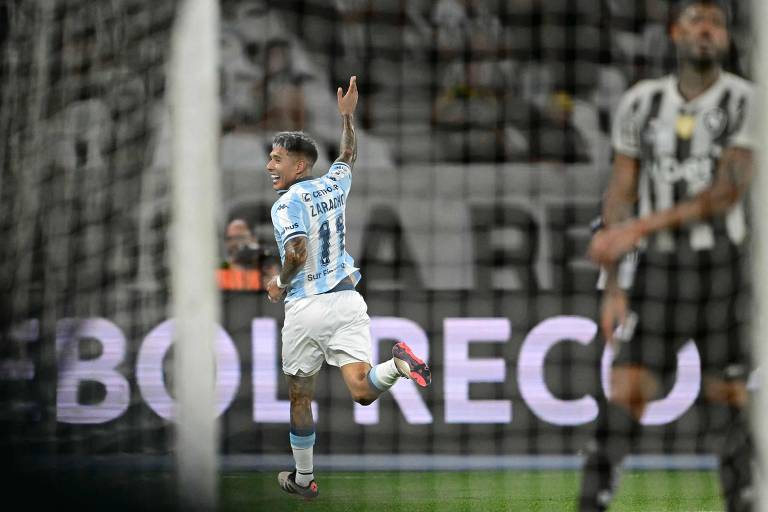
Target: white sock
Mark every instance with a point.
(304, 469)
(303, 450)
(383, 376)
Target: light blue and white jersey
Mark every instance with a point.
(314, 208)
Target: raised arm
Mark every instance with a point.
(347, 104)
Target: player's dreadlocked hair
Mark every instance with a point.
(297, 142)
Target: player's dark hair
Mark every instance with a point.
(682, 5)
(297, 142)
(731, 60)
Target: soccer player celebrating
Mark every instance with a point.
(325, 318)
(683, 160)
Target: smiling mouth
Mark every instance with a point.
(274, 177)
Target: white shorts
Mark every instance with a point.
(331, 327)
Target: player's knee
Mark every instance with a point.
(630, 398)
(632, 388)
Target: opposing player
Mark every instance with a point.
(683, 160)
(325, 318)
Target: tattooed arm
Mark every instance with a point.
(295, 257)
(733, 176)
(347, 105)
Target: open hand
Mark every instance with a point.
(348, 101)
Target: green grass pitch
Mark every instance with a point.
(485, 491)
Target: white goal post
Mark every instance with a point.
(760, 261)
(194, 98)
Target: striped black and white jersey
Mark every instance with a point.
(679, 143)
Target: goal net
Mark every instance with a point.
(485, 150)
(85, 213)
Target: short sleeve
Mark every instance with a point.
(745, 128)
(625, 132)
(288, 220)
(341, 173)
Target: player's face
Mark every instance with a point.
(701, 35)
(284, 168)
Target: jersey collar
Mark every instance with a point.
(305, 178)
(714, 89)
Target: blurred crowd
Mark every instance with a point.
(446, 80)
(440, 80)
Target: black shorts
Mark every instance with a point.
(702, 296)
